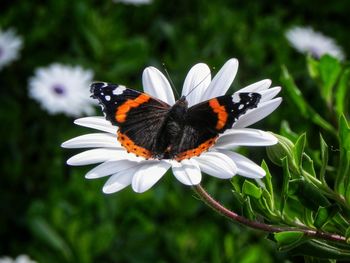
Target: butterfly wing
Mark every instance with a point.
(138, 115)
(207, 119)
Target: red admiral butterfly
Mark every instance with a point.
(151, 128)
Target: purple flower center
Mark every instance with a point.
(58, 89)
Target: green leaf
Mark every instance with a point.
(293, 92)
(268, 178)
(299, 149)
(312, 66)
(251, 189)
(324, 160)
(341, 93)
(289, 239)
(287, 132)
(236, 183)
(300, 103)
(347, 235)
(267, 204)
(285, 185)
(322, 249)
(344, 133)
(308, 165)
(324, 215)
(342, 181)
(346, 172)
(48, 235)
(309, 195)
(269, 196)
(329, 69)
(248, 210)
(318, 120)
(308, 217)
(340, 222)
(321, 217)
(237, 203)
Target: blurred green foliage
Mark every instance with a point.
(49, 211)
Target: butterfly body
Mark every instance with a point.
(151, 128)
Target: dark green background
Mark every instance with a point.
(49, 211)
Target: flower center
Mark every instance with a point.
(58, 89)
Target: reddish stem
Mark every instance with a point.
(206, 198)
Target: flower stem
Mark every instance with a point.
(211, 202)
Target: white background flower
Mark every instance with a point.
(126, 169)
(134, 2)
(307, 40)
(19, 259)
(63, 89)
(10, 44)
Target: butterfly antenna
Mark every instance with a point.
(198, 84)
(170, 80)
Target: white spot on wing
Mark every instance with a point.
(235, 98)
(108, 98)
(119, 90)
(241, 106)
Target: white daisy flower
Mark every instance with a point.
(19, 259)
(134, 2)
(306, 40)
(63, 89)
(219, 161)
(10, 44)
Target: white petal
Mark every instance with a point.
(119, 180)
(110, 167)
(98, 123)
(257, 86)
(258, 113)
(187, 172)
(222, 80)
(269, 94)
(156, 85)
(148, 174)
(93, 140)
(245, 167)
(217, 164)
(245, 137)
(196, 82)
(99, 156)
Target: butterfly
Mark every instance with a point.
(151, 128)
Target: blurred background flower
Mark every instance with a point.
(10, 45)
(134, 2)
(308, 41)
(19, 259)
(62, 89)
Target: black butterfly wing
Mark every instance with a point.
(139, 116)
(206, 120)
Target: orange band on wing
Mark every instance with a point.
(196, 151)
(220, 111)
(130, 146)
(123, 110)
